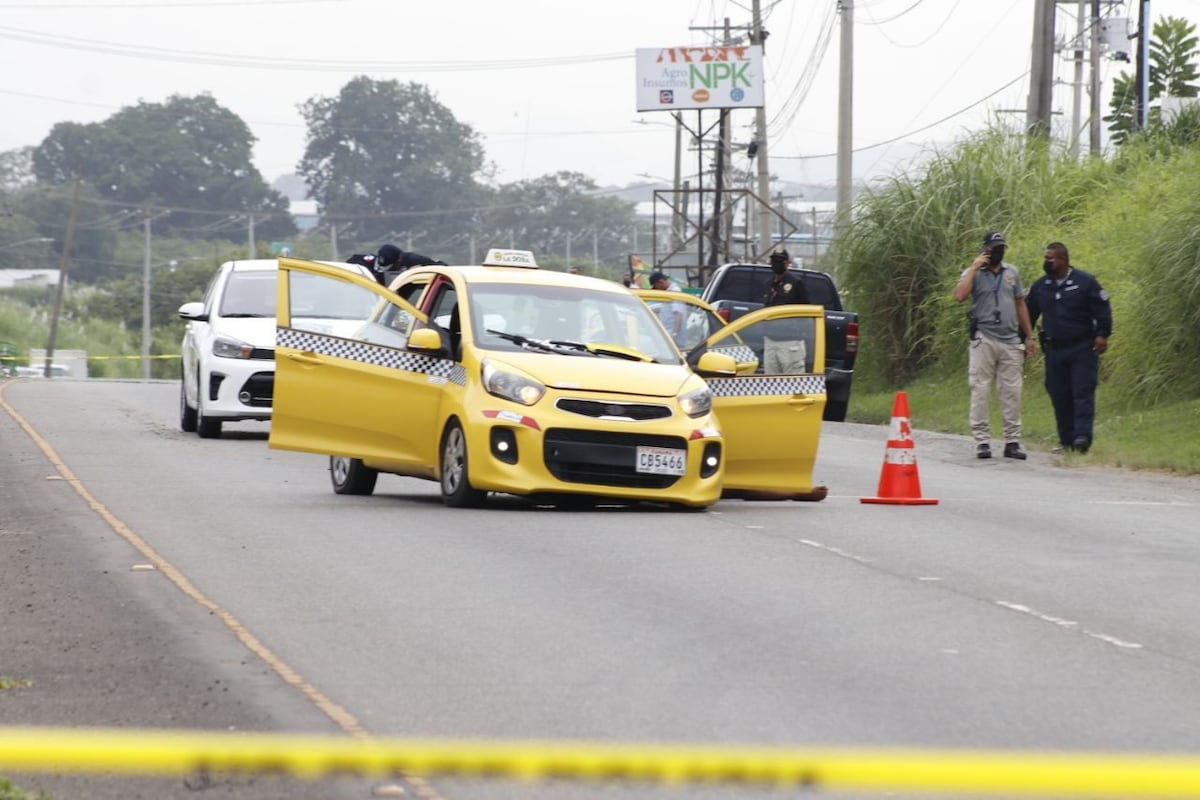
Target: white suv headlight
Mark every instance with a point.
(511, 385)
(697, 402)
(225, 347)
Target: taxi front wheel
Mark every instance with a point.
(455, 477)
(349, 476)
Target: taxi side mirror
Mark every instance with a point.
(717, 365)
(425, 339)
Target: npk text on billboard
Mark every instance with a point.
(677, 78)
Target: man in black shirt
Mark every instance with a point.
(783, 288)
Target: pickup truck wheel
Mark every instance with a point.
(349, 476)
(835, 410)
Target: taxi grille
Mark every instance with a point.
(604, 459)
(594, 408)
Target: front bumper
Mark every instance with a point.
(560, 452)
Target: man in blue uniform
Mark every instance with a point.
(1076, 323)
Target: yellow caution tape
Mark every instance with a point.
(310, 757)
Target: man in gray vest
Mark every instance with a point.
(1000, 333)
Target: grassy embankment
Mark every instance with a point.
(1132, 220)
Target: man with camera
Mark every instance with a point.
(1001, 338)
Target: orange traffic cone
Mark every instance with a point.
(898, 482)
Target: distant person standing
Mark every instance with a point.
(1000, 340)
(672, 313)
(783, 356)
(783, 288)
(1076, 324)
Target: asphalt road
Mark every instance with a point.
(1037, 606)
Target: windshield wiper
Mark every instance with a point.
(525, 341)
(245, 315)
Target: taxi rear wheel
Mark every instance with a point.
(350, 476)
(455, 478)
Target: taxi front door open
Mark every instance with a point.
(354, 389)
(771, 418)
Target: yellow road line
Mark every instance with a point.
(343, 718)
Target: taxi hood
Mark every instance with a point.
(599, 373)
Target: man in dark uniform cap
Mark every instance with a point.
(1076, 323)
(783, 288)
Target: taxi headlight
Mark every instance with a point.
(511, 385)
(231, 348)
(697, 402)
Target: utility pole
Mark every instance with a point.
(1077, 86)
(62, 280)
(146, 297)
(1143, 66)
(1041, 73)
(1094, 105)
(251, 246)
(760, 141)
(845, 136)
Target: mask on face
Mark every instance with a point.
(995, 256)
(1048, 266)
(779, 267)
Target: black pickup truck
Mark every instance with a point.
(738, 288)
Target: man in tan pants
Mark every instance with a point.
(1001, 340)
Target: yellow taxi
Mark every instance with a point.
(506, 378)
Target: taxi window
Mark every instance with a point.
(318, 296)
(559, 313)
(784, 346)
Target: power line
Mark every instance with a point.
(299, 65)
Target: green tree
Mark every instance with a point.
(188, 154)
(540, 214)
(384, 158)
(1173, 72)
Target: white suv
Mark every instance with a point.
(228, 348)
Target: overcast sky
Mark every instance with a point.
(550, 84)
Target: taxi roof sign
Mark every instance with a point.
(500, 257)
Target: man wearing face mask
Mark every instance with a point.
(783, 288)
(1076, 323)
(783, 355)
(1001, 339)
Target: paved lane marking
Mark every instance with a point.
(1069, 623)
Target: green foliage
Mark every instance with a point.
(539, 214)
(9, 791)
(1173, 46)
(189, 154)
(913, 235)
(384, 157)
(1173, 49)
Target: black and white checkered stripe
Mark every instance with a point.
(743, 354)
(366, 353)
(767, 385)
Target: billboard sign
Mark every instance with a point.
(678, 78)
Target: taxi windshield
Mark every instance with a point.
(505, 314)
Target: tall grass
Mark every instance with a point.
(914, 233)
